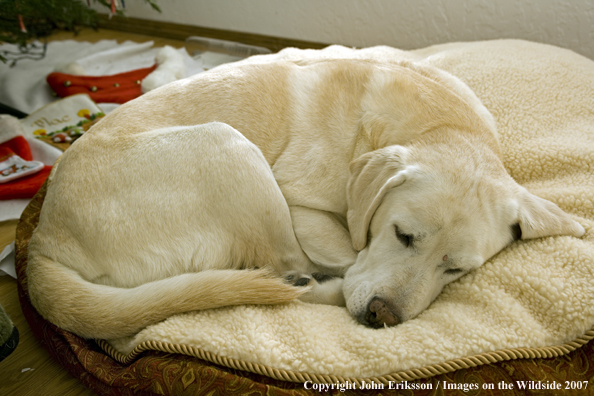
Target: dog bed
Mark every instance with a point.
(495, 325)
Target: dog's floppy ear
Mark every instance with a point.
(538, 217)
(372, 175)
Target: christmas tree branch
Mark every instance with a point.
(23, 21)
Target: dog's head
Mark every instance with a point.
(424, 216)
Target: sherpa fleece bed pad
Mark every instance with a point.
(532, 300)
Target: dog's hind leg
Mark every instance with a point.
(124, 241)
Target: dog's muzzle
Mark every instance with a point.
(378, 314)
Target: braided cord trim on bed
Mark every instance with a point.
(408, 375)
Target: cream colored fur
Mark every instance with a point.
(335, 163)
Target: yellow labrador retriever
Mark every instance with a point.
(206, 192)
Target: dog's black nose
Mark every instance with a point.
(378, 314)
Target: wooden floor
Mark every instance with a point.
(30, 370)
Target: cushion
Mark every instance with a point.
(522, 316)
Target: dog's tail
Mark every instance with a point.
(91, 310)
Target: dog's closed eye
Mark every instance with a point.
(405, 239)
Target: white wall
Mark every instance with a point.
(405, 24)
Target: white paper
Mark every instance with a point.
(12, 209)
(7, 261)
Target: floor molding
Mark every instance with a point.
(181, 32)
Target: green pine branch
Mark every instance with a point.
(42, 17)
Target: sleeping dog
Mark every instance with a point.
(236, 185)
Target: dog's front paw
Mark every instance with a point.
(324, 289)
(296, 278)
(321, 278)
